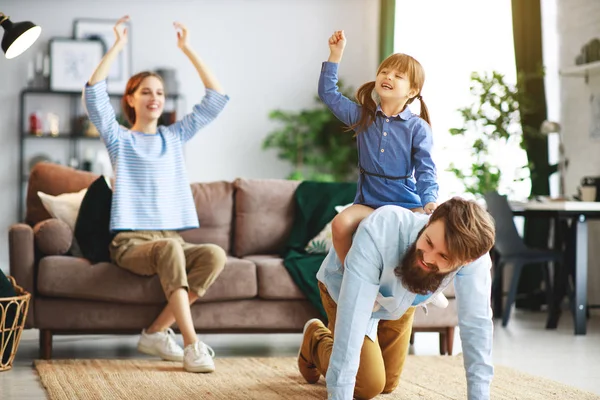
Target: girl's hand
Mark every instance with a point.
(337, 42)
(430, 208)
(121, 31)
(182, 35)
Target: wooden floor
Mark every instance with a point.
(524, 345)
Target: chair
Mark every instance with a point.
(512, 250)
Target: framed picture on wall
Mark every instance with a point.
(102, 30)
(72, 62)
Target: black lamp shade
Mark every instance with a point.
(18, 37)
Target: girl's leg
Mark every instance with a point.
(343, 227)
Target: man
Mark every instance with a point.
(399, 260)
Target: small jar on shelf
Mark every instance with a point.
(35, 124)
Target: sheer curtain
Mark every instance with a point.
(451, 40)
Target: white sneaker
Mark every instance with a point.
(439, 301)
(161, 344)
(198, 357)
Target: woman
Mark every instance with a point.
(152, 199)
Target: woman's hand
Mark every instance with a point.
(182, 35)
(121, 32)
(101, 71)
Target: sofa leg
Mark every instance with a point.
(45, 344)
(412, 338)
(449, 339)
(443, 343)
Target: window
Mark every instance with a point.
(451, 40)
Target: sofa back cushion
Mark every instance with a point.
(214, 201)
(264, 215)
(214, 205)
(52, 179)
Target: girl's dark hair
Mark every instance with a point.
(132, 85)
(404, 64)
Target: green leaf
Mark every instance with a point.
(315, 142)
(493, 116)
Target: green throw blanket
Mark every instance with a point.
(315, 208)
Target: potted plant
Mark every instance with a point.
(494, 117)
(315, 142)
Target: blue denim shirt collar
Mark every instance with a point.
(406, 114)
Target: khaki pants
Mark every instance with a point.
(177, 263)
(381, 362)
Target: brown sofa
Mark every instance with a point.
(249, 218)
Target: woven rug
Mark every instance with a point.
(272, 379)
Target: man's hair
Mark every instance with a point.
(469, 229)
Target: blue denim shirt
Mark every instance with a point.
(367, 283)
(393, 146)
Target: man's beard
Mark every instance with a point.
(414, 277)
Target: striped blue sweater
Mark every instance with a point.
(152, 190)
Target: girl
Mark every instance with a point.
(152, 199)
(392, 141)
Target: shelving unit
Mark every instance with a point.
(69, 137)
(584, 70)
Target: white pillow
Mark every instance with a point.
(64, 207)
(323, 241)
(339, 209)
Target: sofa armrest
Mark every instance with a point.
(21, 253)
(52, 237)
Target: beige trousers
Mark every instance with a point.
(177, 263)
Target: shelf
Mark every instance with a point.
(63, 93)
(581, 70)
(27, 135)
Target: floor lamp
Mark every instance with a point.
(18, 36)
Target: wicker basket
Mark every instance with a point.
(10, 335)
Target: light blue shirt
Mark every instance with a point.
(152, 189)
(397, 146)
(368, 283)
(420, 298)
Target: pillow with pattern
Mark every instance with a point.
(323, 241)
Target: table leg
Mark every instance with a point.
(497, 286)
(581, 265)
(564, 242)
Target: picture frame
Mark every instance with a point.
(102, 30)
(72, 62)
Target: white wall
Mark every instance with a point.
(267, 54)
(577, 22)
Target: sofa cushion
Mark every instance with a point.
(436, 317)
(53, 236)
(449, 291)
(77, 278)
(52, 179)
(264, 214)
(92, 228)
(274, 280)
(214, 205)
